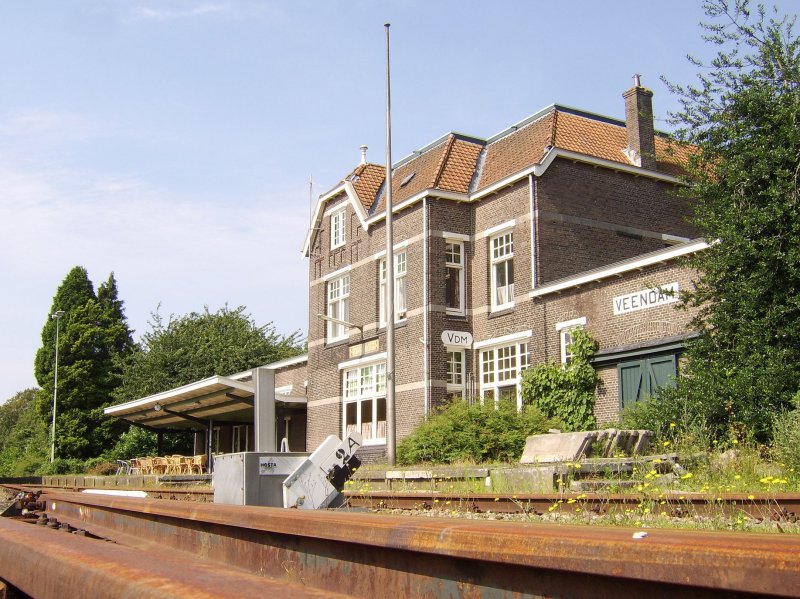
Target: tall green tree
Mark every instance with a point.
(190, 348)
(199, 345)
(743, 116)
(93, 339)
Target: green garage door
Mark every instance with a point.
(639, 379)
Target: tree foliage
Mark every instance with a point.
(93, 338)
(24, 441)
(199, 345)
(743, 116)
(565, 391)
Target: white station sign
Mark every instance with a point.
(647, 298)
(457, 338)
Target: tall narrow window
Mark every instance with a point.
(338, 229)
(566, 331)
(502, 265)
(455, 371)
(338, 307)
(400, 289)
(454, 279)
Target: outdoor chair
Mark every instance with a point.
(145, 465)
(160, 465)
(123, 468)
(199, 463)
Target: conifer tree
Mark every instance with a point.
(93, 339)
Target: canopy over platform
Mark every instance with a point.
(191, 406)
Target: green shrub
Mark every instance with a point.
(566, 391)
(99, 467)
(786, 437)
(460, 432)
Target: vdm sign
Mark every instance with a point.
(457, 338)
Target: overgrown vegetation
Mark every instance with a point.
(476, 433)
(786, 437)
(565, 391)
(24, 439)
(743, 115)
(99, 363)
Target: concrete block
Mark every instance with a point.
(409, 474)
(535, 479)
(642, 443)
(547, 449)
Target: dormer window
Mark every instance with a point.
(338, 236)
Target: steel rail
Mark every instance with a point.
(368, 555)
(48, 564)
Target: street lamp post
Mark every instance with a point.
(56, 316)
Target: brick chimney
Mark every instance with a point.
(641, 148)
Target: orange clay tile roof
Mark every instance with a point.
(448, 165)
(454, 161)
(367, 180)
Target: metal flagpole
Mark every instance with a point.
(57, 317)
(391, 429)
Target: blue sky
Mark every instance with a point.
(171, 141)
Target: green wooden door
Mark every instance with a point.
(638, 379)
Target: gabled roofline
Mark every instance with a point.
(345, 187)
(619, 268)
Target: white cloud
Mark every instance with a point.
(165, 14)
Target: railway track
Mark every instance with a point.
(163, 548)
(759, 506)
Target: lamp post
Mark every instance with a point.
(56, 316)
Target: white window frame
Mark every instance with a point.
(501, 253)
(338, 228)
(455, 370)
(362, 384)
(564, 330)
(338, 307)
(458, 266)
(400, 288)
(501, 367)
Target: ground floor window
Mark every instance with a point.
(639, 379)
(501, 372)
(364, 407)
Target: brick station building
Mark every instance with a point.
(502, 246)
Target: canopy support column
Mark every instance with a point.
(264, 410)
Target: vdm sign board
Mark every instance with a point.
(457, 338)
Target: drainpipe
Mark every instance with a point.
(425, 303)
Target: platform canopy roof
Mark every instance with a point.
(191, 406)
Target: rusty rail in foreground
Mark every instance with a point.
(366, 555)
